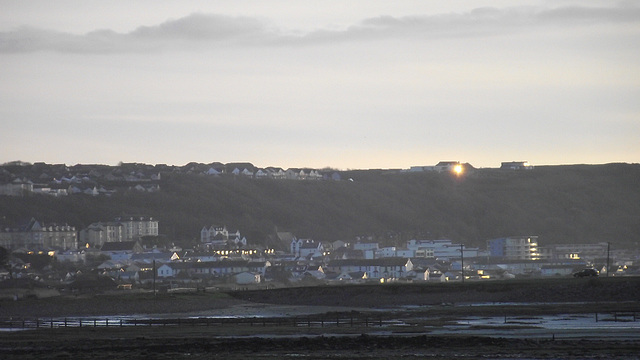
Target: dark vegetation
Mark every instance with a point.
(559, 290)
(561, 204)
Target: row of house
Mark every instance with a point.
(276, 173)
(457, 166)
(123, 228)
(39, 236)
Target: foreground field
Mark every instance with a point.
(167, 344)
(408, 321)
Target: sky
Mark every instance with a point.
(320, 83)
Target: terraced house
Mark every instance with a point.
(384, 268)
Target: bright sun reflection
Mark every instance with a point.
(458, 169)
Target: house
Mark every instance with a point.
(373, 268)
(261, 174)
(158, 256)
(123, 250)
(305, 248)
(314, 271)
(446, 166)
(171, 270)
(18, 187)
(276, 173)
(217, 233)
(215, 172)
(247, 278)
(293, 174)
(211, 269)
(516, 165)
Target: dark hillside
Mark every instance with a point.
(561, 204)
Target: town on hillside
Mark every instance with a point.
(21, 179)
(125, 252)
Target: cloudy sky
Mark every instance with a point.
(345, 84)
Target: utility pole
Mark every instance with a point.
(462, 261)
(608, 245)
(154, 277)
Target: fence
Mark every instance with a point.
(300, 321)
(618, 316)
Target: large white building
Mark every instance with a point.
(96, 234)
(440, 249)
(37, 236)
(515, 248)
(135, 227)
(124, 228)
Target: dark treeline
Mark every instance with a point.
(561, 204)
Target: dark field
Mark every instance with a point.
(405, 322)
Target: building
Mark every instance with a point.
(516, 165)
(304, 248)
(213, 232)
(17, 187)
(514, 248)
(124, 228)
(123, 250)
(580, 251)
(385, 268)
(447, 166)
(96, 234)
(219, 237)
(36, 236)
(440, 249)
(135, 227)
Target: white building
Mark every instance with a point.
(135, 227)
(515, 247)
(96, 234)
(440, 249)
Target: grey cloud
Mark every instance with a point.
(197, 30)
(204, 27)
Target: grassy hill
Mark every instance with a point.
(561, 204)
